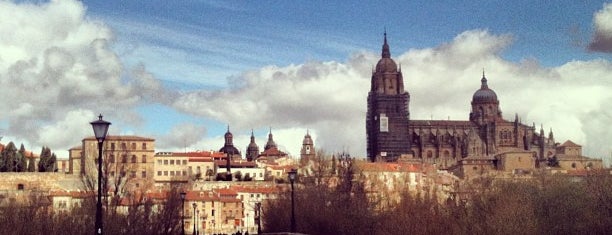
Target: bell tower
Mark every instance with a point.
(388, 113)
(308, 149)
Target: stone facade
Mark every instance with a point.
(129, 158)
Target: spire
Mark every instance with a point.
(385, 49)
(270, 143)
(550, 134)
(516, 117)
(483, 81)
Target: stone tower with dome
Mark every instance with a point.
(308, 149)
(387, 116)
(252, 150)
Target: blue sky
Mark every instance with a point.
(202, 65)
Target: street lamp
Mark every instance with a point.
(100, 128)
(197, 222)
(292, 177)
(258, 216)
(183, 213)
(194, 217)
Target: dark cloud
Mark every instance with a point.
(602, 35)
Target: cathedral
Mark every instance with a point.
(485, 141)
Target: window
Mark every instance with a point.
(574, 165)
(20, 187)
(144, 146)
(184, 173)
(123, 146)
(133, 146)
(144, 158)
(165, 173)
(165, 162)
(133, 174)
(171, 173)
(212, 213)
(111, 158)
(172, 162)
(133, 158)
(124, 158)
(184, 162)
(112, 173)
(159, 162)
(112, 146)
(158, 173)
(143, 174)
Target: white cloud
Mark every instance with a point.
(330, 97)
(602, 36)
(182, 135)
(55, 67)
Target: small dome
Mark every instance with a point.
(484, 94)
(386, 65)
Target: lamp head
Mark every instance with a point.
(100, 128)
(292, 175)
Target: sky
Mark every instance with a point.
(182, 72)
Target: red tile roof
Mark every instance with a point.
(272, 152)
(223, 163)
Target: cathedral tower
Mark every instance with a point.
(388, 114)
(308, 149)
(252, 150)
(228, 148)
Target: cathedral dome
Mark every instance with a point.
(386, 65)
(484, 94)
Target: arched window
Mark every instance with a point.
(446, 154)
(573, 165)
(133, 158)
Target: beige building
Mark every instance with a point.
(75, 155)
(170, 167)
(569, 157)
(216, 211)
(516, 162)
(127, 161)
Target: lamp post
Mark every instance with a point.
(292, 177)
(183, 213)
(258, 216)
(194, 217)
(100, 128)
(197, 222)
